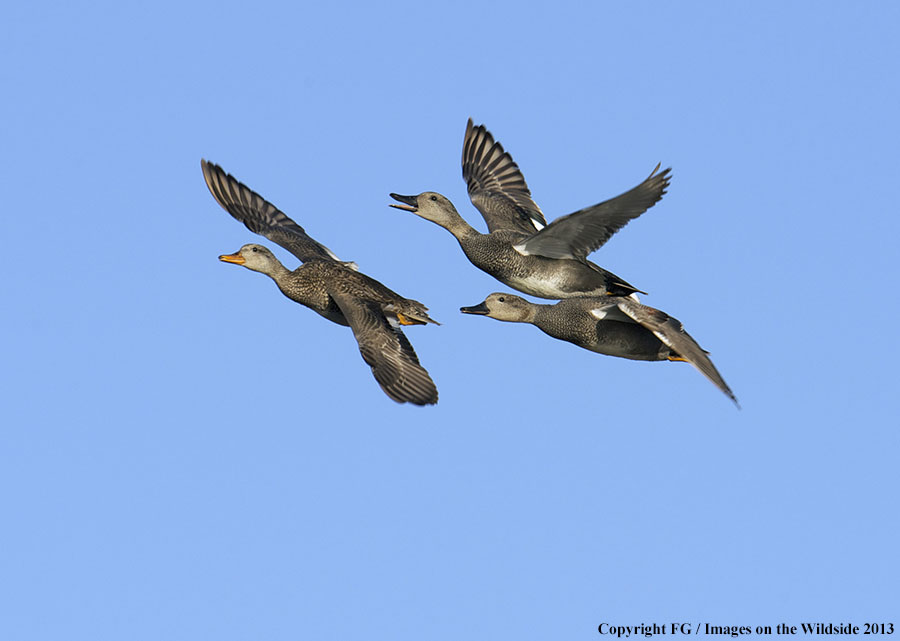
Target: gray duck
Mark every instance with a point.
(332, 288)
(520, 248)
(613, 325)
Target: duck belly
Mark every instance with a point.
(552, 287)
(626, 340)
(560, 278)
(557, 284)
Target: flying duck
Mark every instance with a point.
(613, 325)
(330, 287)
(520, 248)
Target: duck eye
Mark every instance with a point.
(434, 198)
(255, 249)
(501, 299)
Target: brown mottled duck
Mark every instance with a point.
(332, 288)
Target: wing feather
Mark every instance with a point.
(496, 186)
(387, 351)
(671, 332)
(260, 216)
(582, 232)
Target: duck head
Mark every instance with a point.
(429, 205)
(253, 256)
(504, 307)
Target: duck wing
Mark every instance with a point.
(495, 184)
(671, 332)
(582, 232)
(387, 350)
(260, 216)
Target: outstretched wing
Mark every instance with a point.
(496, 186)
(580, 233)
(259, 215)
(671, 332)
(387, 351)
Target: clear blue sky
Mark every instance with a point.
(186, 454)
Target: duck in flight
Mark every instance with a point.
(332, 288)
(520, 248)
(613, 325)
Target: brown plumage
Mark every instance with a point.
(332, 288)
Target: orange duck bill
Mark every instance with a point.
(236, 258)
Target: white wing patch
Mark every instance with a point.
(599, 313)
(329, 252)
(664, 339)
(521, 248)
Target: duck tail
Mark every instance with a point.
(413, 314)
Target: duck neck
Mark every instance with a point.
(277, 272)
(535, 314)
(456, 225)
(523, 314)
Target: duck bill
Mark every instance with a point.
(410, 203)
(237, 259)
(480, 308)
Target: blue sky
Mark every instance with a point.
(187, 454)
